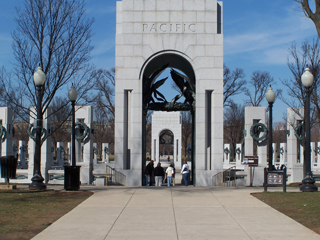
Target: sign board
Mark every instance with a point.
(275, 178)
(251, 161)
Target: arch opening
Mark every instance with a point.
(182, 74)
(166, 145)
(157, 70)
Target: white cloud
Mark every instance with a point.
(102, 47)
(102, 8)
(274, 56)
(268, 39)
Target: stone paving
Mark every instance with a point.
(175, 213)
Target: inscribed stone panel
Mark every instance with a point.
(164, 5)
(175, 16)
(162, 16)
(189, 16)
(127, 5)
(211, 27)
(138, 5)
(211, 17)
(150, 5)
(211, 5)
(214, 50)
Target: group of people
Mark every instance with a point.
(158, 174)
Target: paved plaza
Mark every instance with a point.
(175, 213)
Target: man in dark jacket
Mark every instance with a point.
(149, 173)
(159, 174)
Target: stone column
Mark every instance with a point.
(255, 115)
(31, 146)
(105, 152)
(283, 154)
(15, 148)
(85, 114)
(274, 155)
(46, 159)
(301, 158)
(239, 152)
(52, 150)
(7, 135)
(95, 153)
(60, 154)
(22, 155)
(46, 156)
(226, 155)
(313, 154)
(69, 152)
(317, 165)
(295, 168)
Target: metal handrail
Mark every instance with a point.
(114, 177)
(225, 178)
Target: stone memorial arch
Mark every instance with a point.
(166, 132)
(185, 37)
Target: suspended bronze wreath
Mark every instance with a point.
(298, 131)
(255, 131)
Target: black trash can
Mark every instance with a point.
(72, 178)
(8, 166)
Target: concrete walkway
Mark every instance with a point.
(174, 213)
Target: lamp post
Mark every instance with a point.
(72, 94)
(308, 181)
(270, 96)
(72, 173)
(37, 180)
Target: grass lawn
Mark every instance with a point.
(304, 207)
(25, 213)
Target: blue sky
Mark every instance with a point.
(257, 35)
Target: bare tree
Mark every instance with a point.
(148, 131)
(186, 130)
(260, 82)
(307, 55)
(21, 131)
(314, 16)
(104, 101)
(104, 107)
(233, 125)
(233, 83)
(279, 134)
(5, 96)
(55, 35)
(103, 132)
(61, 113)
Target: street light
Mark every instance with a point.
(72, 94)
(72, 173)
(37, 180)
(308, 181)
(270, 96)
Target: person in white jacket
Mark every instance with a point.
(169, 172)
(185, 173)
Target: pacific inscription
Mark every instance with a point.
(169, 27)
(166, 122)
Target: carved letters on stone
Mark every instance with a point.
(168, 27)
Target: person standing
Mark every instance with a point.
(170, 172)
(159, 174)
(173, 175)
(185, 172)
(149, 173)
